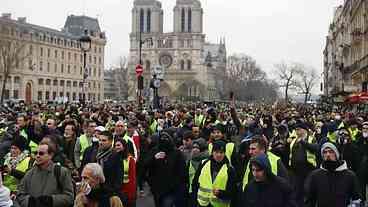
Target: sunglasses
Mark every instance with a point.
(40, 153)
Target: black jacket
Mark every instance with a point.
(325, 188)
(275, 192)
(165, 175)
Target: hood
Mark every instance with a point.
(262, 162)
(342, 167)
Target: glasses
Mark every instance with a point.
(40, 153)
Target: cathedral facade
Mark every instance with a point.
(192, 67)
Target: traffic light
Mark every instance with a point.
(140, 83)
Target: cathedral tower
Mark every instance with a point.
(188, 16)
(147, 16)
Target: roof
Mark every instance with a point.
(76, 25)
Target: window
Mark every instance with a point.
(94, 60)
(148, 20)
(31, 50)
(68, 95)
(182, 20)
(48, 82)
(141, 21)
(55, 82)
(56, 53)
(41, 51)
(47, 95)
(189, 64)
(69, 55)
(190, 20)
(30, 64)
(68, 83)
(90, 59)
(99, 72)
(48, 53)
(62, 68)
(53, 95)
(99, 50)
(62, 83)
(61, 94)
(94, 72)
(40, 81)
(39, 95)
(182, 65)
(99, 60)
(41, 65)
(80, 84)
(74, 96)
(75, 69)
(95, 49)
(62, 55)
(48, 67)
(15, 94)
(75, 83)
(55, 68)
(68, 69)
(16, 80)
(75, 57)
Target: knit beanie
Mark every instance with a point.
(331, 146)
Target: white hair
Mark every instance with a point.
(97, 171)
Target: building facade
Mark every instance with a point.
(346, 50)
(192, 67)
(53, 67)
(116, 84)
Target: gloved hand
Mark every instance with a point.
(45, 200)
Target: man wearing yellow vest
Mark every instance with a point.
(258, 145)
(214, 183)
(217, 133)
(83, 142)
(303, 150)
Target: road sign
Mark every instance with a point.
(139, 70)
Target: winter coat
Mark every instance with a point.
(105, 195)
(38, 182)
(273, 192)
(325, 189)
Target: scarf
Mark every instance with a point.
(12, 162)
(103, 156)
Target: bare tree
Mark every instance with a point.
(287, 75)
(306, 81)
(11, 55)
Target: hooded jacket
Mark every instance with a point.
(273, 192)
(337, 187)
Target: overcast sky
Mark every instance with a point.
(268, 30)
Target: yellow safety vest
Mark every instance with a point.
(32, 145)
(228, 150)
(354, 133)
(10, 181)
(84, 144)
(273, 161)
(192, 172)
(205, 194)
(332, 137)
(153, 127)
(126, 170)
(198, 120)
(311, 158)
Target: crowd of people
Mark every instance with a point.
(186, 155)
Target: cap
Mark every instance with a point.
(100, 129)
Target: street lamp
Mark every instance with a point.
(85, 41)
(140, 77)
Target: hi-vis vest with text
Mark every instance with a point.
(273, 161)
(311, 157)
(205, 194)
(229, 150)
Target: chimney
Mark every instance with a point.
(6, 15)
(22, 19)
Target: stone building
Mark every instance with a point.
(116, 84)
(53, 68)
(346, 50)
(193, 67)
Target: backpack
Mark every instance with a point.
(57, 173)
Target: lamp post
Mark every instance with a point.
(85, 42)
(140, 77)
